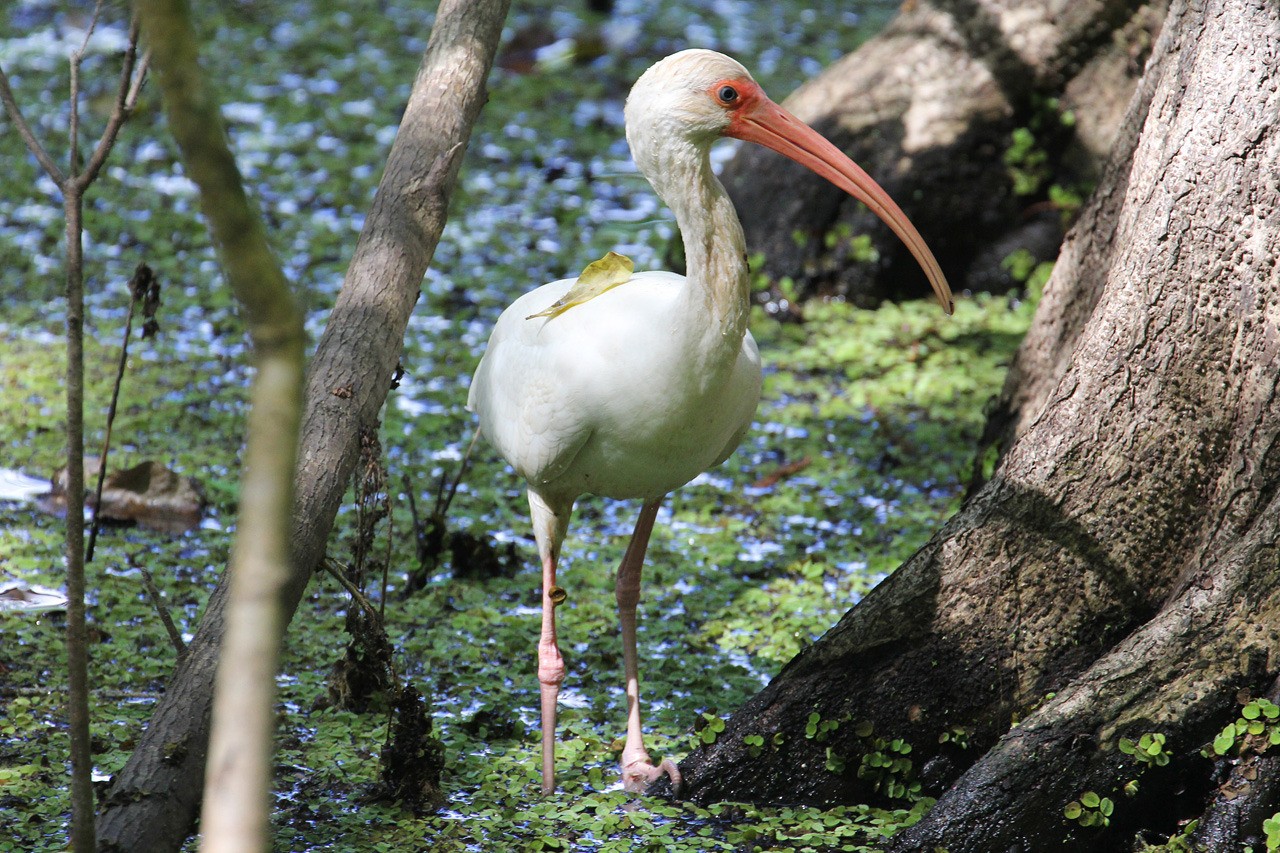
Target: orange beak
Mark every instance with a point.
(763, 122)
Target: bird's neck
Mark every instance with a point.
(716, 302)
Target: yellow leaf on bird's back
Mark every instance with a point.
(608, 272)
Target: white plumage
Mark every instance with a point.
(637, 391)
(606, 404)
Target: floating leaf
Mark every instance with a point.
(608, 272)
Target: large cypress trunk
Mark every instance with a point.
(1119, 574)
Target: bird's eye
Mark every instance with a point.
(727, 95)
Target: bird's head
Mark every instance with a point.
(693, 94)
(694, 97)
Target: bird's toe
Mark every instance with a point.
(638, 775)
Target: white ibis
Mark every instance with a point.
(635, 392)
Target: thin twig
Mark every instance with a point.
(335, 568)
(431, 544)
(386, 560)
(126, 99)
(174, 636)
(457, 480)
(24, 130)
(143, 272)
(131, 99)
(88, 32)
(73, 133)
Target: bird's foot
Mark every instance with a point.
(639, 774)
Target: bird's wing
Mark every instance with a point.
(524, 402)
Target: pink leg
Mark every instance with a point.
(637, 768)
(550, 673)
(549, 528)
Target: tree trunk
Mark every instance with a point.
(153, 801)
(929, 107)
(237, 799)
(1119, 575)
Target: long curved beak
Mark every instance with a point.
(765, 123)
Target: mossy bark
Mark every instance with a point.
(1119, 574)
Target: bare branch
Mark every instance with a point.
(131, 99)
(339, 573)
(73, 131)
(24, 130)
(175, 637)
(126, 98)
(78, 56)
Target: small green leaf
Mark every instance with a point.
(1126, 746)
(1090, 800)
(1225, 740)
(1073, 810)
(1251, 711)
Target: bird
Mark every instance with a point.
(633, 392)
